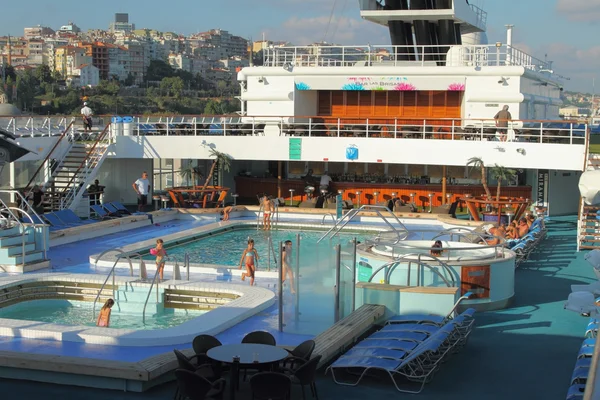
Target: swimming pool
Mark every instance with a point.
(70, 312)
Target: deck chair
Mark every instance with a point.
(120, 207)
(220, 201)
(69, 217)
(102, 213)
(113, 210)
(55, 221)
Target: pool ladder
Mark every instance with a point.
(349, 216)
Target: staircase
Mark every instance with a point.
(70, 168)
(589, 216)
(130, 300)
(23, 245)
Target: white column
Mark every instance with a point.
(509, 32)
(12, 179)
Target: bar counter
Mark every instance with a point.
(249, 187)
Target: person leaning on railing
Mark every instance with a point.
(502, 118)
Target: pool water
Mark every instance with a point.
(68, 312)
(226, 248)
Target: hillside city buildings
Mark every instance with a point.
(123, 52)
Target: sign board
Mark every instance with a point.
(215, 175)
(352, 153)
(543, 179)
(295, 149)
(364, 270)
(338, 206)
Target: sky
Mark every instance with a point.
(567, 31)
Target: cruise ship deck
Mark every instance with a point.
(526, 351)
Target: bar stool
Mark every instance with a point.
(340, 192)
(510, 214)
(292, 197)
(358, 193)
(376, 194)
(165, 201)
(394, 194)
(156, 200)
(235, 196)
(430, 195)
(467, 196)
(448, 198)
(412, 197)
(309, 192)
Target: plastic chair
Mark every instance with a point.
(270, 386)
(305, 375)
(196, 387)
(300, 353)
(201, 345)
(259, 337)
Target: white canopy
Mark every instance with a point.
(589, 187)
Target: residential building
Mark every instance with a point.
(121, 23)
(69, 58)
(118, 62)
(181, 61)
(35, 51)
(37, 32)
(70, 28)
(99, 53)
(84, 75)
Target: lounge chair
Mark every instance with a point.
(414, 366)
(112, 210)
(55, 221)
(431, 319)
(69, 217)
(122, 209)
(102, 213)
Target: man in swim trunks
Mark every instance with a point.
(287, 265)
(267, 211)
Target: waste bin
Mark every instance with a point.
(116, 126)
(127, 126)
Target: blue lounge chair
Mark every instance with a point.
(121, 207)
(112, 210)
(576, 392)
(101, 212)
(55, 221)
(378, 352)
(414, 366)
(404, 345)
(69, 217)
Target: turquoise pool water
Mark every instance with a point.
(67, 312)
(226, 248)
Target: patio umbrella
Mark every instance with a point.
(589, 187)
(9, 149)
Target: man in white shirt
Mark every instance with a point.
(325, 180)
(87, 113)
(142, 188)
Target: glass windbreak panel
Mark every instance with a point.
(312, 309)
(347, 271)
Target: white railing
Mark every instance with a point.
(39, 126)
(387, 55)
(87, 171)
(392, 128)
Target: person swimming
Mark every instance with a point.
(250, 255)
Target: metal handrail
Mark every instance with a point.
(148, 296)
(50, 153)
(111, 272)
(118, 258)
(70, 192)
(395, 263)
(20, 224)
(260, 208)
(442, 264)
(366, 208)
(325, 216)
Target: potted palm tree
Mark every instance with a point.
(191, 174)
(501, 174)
(219, 158)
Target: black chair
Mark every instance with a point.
(204, 369)
(259, 337)
(196, 387)
(201, 345)
(305, 375)
(270, 386)
(300, 354)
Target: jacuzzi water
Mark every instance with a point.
(68, 312)
(226, 248)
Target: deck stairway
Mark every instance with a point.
(589, 216)
(24, 241)
(69, 168)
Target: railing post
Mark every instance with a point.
(280, 287)
(309, 126)
(452, 130)
(395, 128)
(270, 244)
(367, 128)
(571, 132)
(297, 280)
(338, 264)
(338, 127)
(541, 132)
(353, 270)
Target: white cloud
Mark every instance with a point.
(579, 10)
(580, 65)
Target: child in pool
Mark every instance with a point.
(249, 255)
(434, 249)
(160, 253)
(104, 316)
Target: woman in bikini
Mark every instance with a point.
(160, 253)
(249, 255)
(104, 316)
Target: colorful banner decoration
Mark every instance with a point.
(398, 83)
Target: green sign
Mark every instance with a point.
(295, 148)
(364, 270)
(338, 206)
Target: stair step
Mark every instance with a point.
(16, 249)
(30, 257)
(12, 231)
(6, 241)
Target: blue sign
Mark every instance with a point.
(338, 206)
(352, 153)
